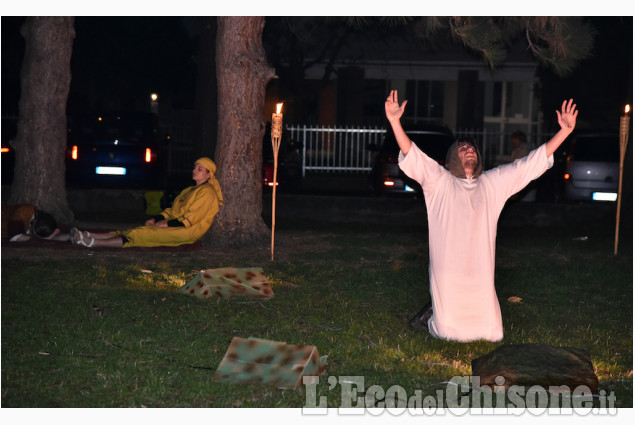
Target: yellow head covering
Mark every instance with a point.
(211, 167)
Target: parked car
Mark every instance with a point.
(9, 130)
(113, 150)
(387, 177)
(591, 167)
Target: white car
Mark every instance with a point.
(591, 171)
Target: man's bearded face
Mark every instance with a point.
(467, 155)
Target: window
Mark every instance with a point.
(425, 101)
(374, 112)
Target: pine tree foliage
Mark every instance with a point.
(559, 43)
(480, 34)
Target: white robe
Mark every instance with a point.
(462, 220)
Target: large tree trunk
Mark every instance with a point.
(243, 74)
(40, 143)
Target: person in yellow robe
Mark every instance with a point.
(190, 216)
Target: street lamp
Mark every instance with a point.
(154, 103)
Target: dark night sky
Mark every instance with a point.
(603, 84)
(123, 58)
(128, 57)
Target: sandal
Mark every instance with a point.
(74, 231)
(88, 242)
(420, 320)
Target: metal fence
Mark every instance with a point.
(495, 146)
(330, 149)
(353, 150)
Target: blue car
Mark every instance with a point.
(113, 150)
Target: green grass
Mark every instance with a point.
(91, 329)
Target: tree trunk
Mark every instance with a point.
(40, 143)
(243, 74)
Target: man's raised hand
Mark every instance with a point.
(568, 116)
(394, 111)
(566, 119)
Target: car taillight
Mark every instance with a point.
(387, 159)
(5, 150)
(148, 154)
(389, 183)
(267, 175)
(74, 152)
(567, 176)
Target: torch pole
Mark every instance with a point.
(619, 207)
(276, 134)
(273, 196)
(624, 132)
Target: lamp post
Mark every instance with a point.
(154, 103)
(625, 121)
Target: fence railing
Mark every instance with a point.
(330, 149)
(495, 146)
(353, 150)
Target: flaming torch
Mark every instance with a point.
(625, 121)
(276, 135)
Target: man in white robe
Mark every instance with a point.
(463, 209)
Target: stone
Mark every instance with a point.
(536, 364)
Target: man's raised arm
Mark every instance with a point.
(394, 112)
(566, 119)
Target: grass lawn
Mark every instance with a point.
(90, 328)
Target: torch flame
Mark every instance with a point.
(627, 109)
(278, 108)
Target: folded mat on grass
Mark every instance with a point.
(229, 282)
(260, 361)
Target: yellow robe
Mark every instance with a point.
(195, 207)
